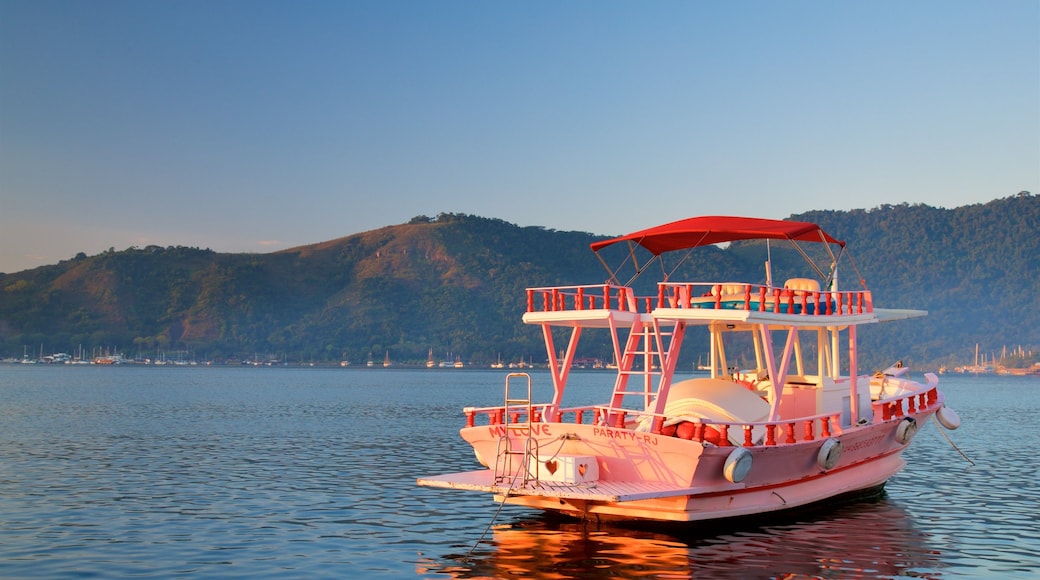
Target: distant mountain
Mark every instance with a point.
(456, 284)
(976, 269)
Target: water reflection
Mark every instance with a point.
(868, 539)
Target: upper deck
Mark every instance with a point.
(596, 305)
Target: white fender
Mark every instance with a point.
(737, 466)
(830, 453)
(906, 429)
(948, 418)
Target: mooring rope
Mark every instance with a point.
(501, 504)
(950, 441)
(516, 476)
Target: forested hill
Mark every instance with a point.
(455, 284)
(976, 269)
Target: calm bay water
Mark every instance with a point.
(307, 472)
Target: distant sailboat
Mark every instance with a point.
(386, 361)
(976, 368)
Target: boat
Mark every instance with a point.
(975, 369)
(801, 426)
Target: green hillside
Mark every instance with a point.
(455, 284)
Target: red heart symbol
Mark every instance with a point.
(551, 466)
(582, 468)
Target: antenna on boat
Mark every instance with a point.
(769, 269)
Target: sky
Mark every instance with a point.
(258, 125)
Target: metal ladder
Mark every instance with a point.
(510, 459)
(643, 342)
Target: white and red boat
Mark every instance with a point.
(800, 426)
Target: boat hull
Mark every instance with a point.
(644, 476)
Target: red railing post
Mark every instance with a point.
(698, 431)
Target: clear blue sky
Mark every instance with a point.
(254, 125)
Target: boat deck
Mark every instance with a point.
(605, 491)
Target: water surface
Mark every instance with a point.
(306, 472)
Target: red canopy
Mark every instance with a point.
(706, 230)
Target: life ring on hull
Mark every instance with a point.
(830, 453)
(905, 430)
(948, 418)
(737, 466)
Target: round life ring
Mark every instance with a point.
(830, 453)
(737, 466)
(905, 430)
(948, 418)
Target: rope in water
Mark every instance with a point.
(950, 441)
(515, 477)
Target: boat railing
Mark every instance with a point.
(754, 433)
(762, 298)
(904, 405)
(700, 295)
(587, 297)
(493, 416)
(751, 433)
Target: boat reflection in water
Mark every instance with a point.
(868, 539)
